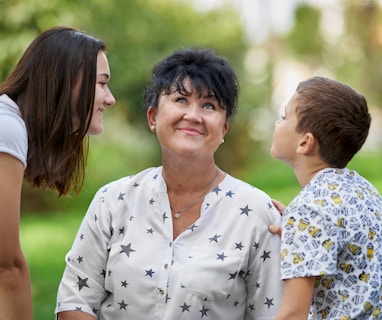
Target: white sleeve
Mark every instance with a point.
(264, 283)
(82, 286)
(13, 136)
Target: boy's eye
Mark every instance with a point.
(180, 100)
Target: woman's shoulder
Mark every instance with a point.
(251, 201)
(135, 180)
(244, 188)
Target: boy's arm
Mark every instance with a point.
(74, 315)
(297, 298)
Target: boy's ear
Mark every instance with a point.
(306, 144)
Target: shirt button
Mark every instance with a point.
(166, 266)
(161, 291)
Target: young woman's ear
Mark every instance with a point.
(306, 144)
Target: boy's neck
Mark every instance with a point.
(306, 171)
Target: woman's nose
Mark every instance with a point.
(193, 112)
(109, 99)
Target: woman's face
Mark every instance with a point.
(103, 97)
(188, 125)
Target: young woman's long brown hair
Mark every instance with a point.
(53, 82)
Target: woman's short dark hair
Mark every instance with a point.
(203, 69)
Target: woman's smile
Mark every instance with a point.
(190, 131)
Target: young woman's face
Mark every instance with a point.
(103, 97)
(188, 125)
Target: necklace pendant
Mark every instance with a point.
(177, 215)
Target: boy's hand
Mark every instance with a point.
(275, 229)
(279, 206)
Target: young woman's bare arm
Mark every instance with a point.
(15, 290)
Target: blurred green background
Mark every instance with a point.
(271, 44)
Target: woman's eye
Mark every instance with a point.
(209, 106)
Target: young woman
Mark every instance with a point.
(184, 240)
(53, 98)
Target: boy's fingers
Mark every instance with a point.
(275, 229)
(279, 205)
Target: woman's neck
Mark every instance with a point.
(189, 180)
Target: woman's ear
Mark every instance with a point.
(151, 118)
(306, 144)
(225, 128)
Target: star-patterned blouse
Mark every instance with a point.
(124, 263)
(333, 230)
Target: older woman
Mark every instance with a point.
(184, 240)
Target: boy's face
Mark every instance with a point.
(286, 138)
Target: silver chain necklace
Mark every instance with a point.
(190, 205)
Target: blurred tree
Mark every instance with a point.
(21, 21)
(350, 52)
(138, 34)
(364, 39)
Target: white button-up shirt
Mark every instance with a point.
(124, 263)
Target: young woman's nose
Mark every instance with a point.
(109, 98)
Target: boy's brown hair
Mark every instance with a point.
(336, 115)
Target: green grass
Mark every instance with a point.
(45, 240)
(47, 237)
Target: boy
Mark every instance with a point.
(331, 235)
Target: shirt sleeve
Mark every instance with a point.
(264, 283)
(309, 245)
(13, 136)
(82, 286)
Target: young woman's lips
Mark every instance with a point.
(100, 111)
